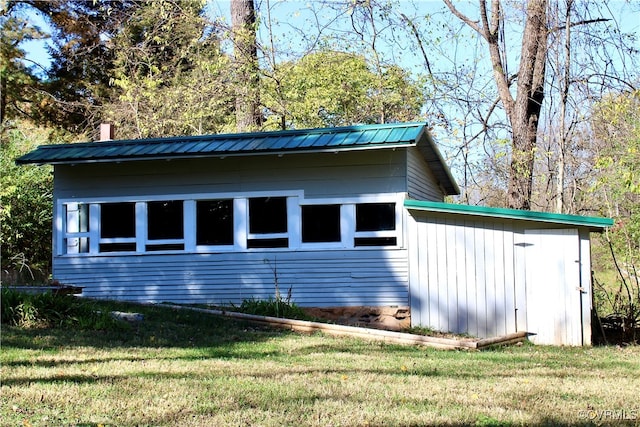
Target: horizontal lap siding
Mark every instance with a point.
(328, 278)
(421, 184)
(316, 278)
(318, 175)
(464, 281)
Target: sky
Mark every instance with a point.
(291, 15)
(286, 16)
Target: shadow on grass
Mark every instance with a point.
(161, 327)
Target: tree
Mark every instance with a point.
(523, 111)
(170, 75)
(77, 80)
(245, 48)
(328, 88)
(18, 82)
(571, 53)
(616, 125)
(25, 204)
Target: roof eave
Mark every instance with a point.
(437, 164)
(593, 223)
(220, 155)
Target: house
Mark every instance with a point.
(350, 216)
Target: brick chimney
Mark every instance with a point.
(106, 132)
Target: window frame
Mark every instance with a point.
(97, 208)
(395, 233)
(70, 214)
(290, 205)
(166, 241)
(295, 201)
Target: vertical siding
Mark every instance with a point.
(417, 280)
(490, 277)
(421, 184)
(553, 277)
(468, 266)
(520, 280)
(586, 285)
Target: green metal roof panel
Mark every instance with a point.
(586, 221)
(350, 137)
(243, 144)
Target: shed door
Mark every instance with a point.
(553, 286)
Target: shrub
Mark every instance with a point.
(48, 310)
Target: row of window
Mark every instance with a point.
(225, 224)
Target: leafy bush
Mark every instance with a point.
(25, 207)
(48, 310)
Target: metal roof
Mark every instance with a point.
(349, 138)
(595, 223)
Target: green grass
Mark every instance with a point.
(188, 368)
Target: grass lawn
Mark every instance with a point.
(186, 368)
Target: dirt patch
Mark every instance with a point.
(387, 318)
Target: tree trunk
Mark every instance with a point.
(528, 104)
(243, 22)
(523, 113)
(566, 81)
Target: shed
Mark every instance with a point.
(335, 217)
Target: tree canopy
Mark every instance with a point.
(523, 97)
(329, 88)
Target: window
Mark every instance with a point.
(375, 216)
(207, 224)
(165, 225)
(268, 223)
(375, 224)
(118, 220)
(214, 222)
(118, 227)
(77, 233)
(321, 223)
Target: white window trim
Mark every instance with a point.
(145, 225)
(295, 201)
(71, 238)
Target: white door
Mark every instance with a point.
(553, 293)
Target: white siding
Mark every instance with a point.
(320, 175)
(316, 278)
(468, 266)
(421, 184)
(362, 276)
(489, 277)
(553, 286)
(586, 290)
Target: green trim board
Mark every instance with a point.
(584, 221)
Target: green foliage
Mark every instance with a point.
(48, 310)
(76, 81)
(329, 88)
(17, 79)
(170, 75)
(25, 203)
(273, 307)
(616, 122)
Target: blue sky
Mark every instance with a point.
(300, 14)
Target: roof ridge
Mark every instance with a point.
(245, 135)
